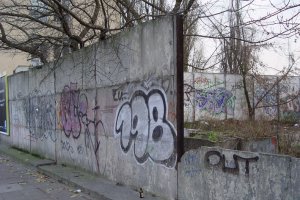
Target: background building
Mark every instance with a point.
(10, 60)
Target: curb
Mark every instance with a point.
(72, 184)
(96, 186)
(25, 157)
(37, 162)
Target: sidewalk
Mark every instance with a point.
(88, 183)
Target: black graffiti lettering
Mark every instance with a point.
(91, 137)
(65, 145)
(117, 94)
(221, 163)
(80, 149)
(188, 94)
(157, 133)
(40, 115)
(216, 164)
(155, 114)
(237, 86)
(247, 160)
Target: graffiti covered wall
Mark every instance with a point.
(213, 96)
(221, 96)
(109, 105)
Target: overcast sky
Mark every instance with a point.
(277, 57)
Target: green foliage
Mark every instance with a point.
(212, 136)
(289, 118)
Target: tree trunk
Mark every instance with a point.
(251, 110)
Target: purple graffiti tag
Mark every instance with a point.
(72, 105)
(75, 121)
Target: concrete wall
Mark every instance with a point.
(109, 108)
(213, 96)
(221, 96)
(219, 174)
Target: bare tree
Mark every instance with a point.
(239, 57)
(189, 27)
(39, 26)
(241, 35)
(48, 28)
(220, 23)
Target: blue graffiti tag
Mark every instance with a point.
(268, 101)
(215, 100)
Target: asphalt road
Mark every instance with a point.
(22, 182)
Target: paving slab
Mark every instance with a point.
(24, 157)
(92, 184)
(23, 182)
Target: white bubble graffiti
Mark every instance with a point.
(142, 122)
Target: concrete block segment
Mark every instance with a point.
(215, 174)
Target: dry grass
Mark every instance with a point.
(289, 135)
(290, 144)
(244, 129)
